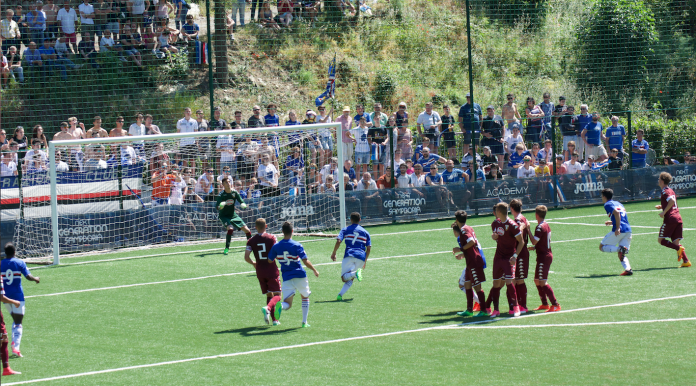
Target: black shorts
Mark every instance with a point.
(450, 141)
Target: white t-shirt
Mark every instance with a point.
(574, 169)
(176, 197)
(229, 178)
(324, 133)
(269, 173)
(62, 167)
(187, 126)
(361, 144)
(199, 188)
(106, 43)
(67, 20)
(7, 170)
(370, 185)
(30, 155)
(512, 142)
(403, 180)
(226, 145)
(137, 130)
(128, 156)
(426, 120)
(138, 7)
(326, 170)
(417, 181)
(61, 48)
(86, 9)
(524, 172)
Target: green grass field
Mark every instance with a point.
(194, 317)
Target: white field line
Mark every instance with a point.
(602, 225)
(251, 272)
(451, 326)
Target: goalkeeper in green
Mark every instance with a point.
(225, 203)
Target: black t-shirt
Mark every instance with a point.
(240, 125)
(377, 134)
(489, 159)
(255, 122)
(566, 123)
(614, 164)
(85, 47)
(447, 124)
(217, 124)
(494, 126)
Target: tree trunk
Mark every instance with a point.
(222, 71)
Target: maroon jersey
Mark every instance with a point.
(261, 244)
(520, 220)
(542, 235)
(507, 232)
(672, 216)
(473, 254)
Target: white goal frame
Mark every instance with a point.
(203, 134)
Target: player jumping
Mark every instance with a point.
(289, 253)
(12, 270)
(541, 241)
(522, 267)
(619, 239)
(4, 354)
(225, 203)
(266, 270)
(672, 227)
(473, 275)
(507, 234)
(358, 247)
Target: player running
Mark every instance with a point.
(289, 253)
(358, 247)
(473, 275)
(12, 270)
(266, 270)
(508, 234)
(225, 203)
(522, 267)
(619, 239)
(672, 225)
(541, 242)
(4, 354)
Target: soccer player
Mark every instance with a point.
(522, 267)
(289, 253)
(358, 247)
(225, 203)
(12, 270)
(672, 225)
(541, 242)
(473, 275)
(507, 234)
(4, 354)
(266, 270)
(619, 239)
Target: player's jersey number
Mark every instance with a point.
(9, 276)
(262, 251)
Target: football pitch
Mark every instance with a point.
(188, 315)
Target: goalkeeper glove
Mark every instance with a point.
(243, 206)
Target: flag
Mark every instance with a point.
(201, 53)
(330, 85)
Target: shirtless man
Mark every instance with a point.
(77, 130)
(510, 114)
(96, 131)
(118, 130)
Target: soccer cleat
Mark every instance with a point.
(8, 371)
(226, 251)
(627, 273)
(276, 323)
(511, 313)
(265, 314)
(687, 264)
(278, 310)
(623, 250)
(488, 311)
(681, 253)
(516, 311)
(305, 325)
(16, 352)
(477, 307)
(482, 313)
(495, 314)
(555, 308)
(358, 274)
(542, 307)
(465, 313)
(339, 298)
(523, 310)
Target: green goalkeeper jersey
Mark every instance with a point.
(231, 198)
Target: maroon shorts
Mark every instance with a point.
(672, 230)
(522, 266)
(2, 325)
(475, 276)
(502, 268)
(269, 284)
(541, 272)
(70, 38)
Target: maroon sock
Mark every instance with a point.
(482, 298)
(668, 244)
(5, 355)
(542, 295)
(509, 297)
(550, 294)
(513, 294)
(271, 305)
(469, 299)
(496, 298)
(521, 294)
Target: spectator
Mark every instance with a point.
(418, 177)
(360, 110)
(688, 159)
(285, 8)
(101, 12)
(50, 58)
(136, 10)
(398, 160)
(492, 128)
(431, 122)
(87, 51)
(33, 57)
(429, 159)
(251, 191)
(517, 158)
(470, 120)
(349, 171)
(378, 137)
(21, 21)
(514, 139)
(162, 10)
(266, 17)
(639, 147)
(36, 164)
(615, 162)
(330, 169)
(349, 185)
(190, 30)
(238, 123)
(37, 22)
(204, 185)
(326, 137)
(86, 18)
(403, 179)
(404, 139)
(547, 152)
(270, 150)
(385, 181)
(433, 178)
(151, 129)
(256, 6)
(128, 43)
(161, 185)
(271, 119)
(488, 159)
(362, 146)
(469, 158)
(567, 125)
(62, 49)
(480, 175)
(118, 130)
(418, 153)
(159, 157)
(268, 177)
(560, 165)
(67, 18)
(347, 139)
(527, 169)
(409, 166)
(20, 139)
(139, 41)
(534, 153)
(38, 133)
(239, 7)
(542, 170)
(448, 132)
(4, 143)
(593, 136)
(310, 8)
(312, 140)
(225, 174)
(204, 145)
(4, 71)
(96, 131)
(573, 166)
(494, 173)
(328, 186)
(366, 183)
(401, 116)
(9, 32)
(511, 116)
(615, 136)
(581, 122)
(14, 61)
(107, 42)
(225, 149)
(560, 108)
(217, 123)
(187, 146)
(8, 168)
(548, 108)
(182, 8)
(165, 39)
(128, 155)
(255, 120)
(179, 187)
(247, 150)
(534, 121)
(452, 175)
(33, 152)
(294, 164)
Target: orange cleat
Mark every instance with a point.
(555, 308)
(681, 253)
(8, 371)
(477, 307)
(627, 273)
(687, 264)
(542, 307)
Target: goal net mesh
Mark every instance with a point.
(161, 190)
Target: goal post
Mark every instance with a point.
(286, 138)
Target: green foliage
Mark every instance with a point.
(173, 70)
(668, 137)
(385, 88)
(528, 13)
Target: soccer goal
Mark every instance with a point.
(103, 194)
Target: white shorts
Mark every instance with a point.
(596, 151)
(298, 284)
(623, 239)
(15, 310)
(350, 264)
(347, 150)
(462, 279)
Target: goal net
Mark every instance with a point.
(117, 192)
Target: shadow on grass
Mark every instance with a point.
(258, 331)
(335, 301)
(616, 274)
